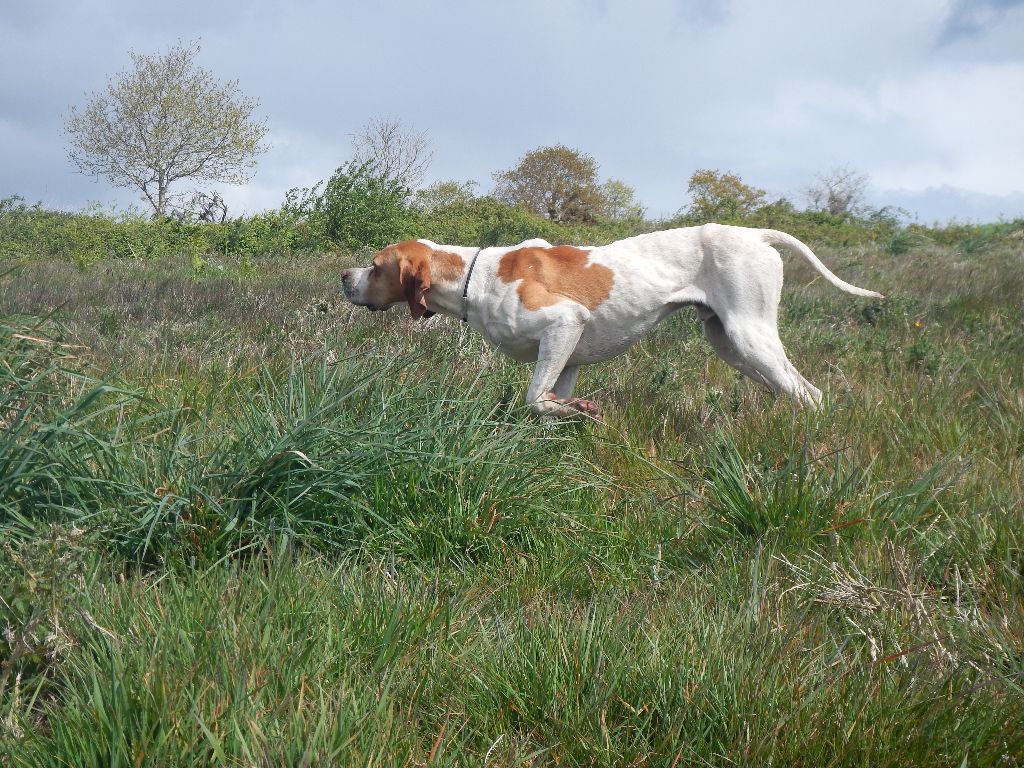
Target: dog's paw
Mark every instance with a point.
(556, 406)
(589, 407)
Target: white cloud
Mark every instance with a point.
(968, 124)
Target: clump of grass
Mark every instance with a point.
(339, 458)
(48, 410)
(328, 455)
(791, 500)
(904, 241)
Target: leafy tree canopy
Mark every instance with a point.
(721, 196)
(556, 182)
(164, 120)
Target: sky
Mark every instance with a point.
(925, 97)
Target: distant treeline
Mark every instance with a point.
(356, 209)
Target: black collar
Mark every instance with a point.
(465, 287)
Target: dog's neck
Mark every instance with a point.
(446, 286)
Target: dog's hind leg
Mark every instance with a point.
(754, 348)
(714, 332)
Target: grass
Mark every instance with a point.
(245, 524)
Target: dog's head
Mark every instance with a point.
(400, 272)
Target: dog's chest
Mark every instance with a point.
(605, 335)
(603, 341)
(512, 338)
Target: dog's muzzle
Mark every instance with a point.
(348, 289)
(346, 285)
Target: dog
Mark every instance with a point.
(565, 306)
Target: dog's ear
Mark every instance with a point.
(414, 272)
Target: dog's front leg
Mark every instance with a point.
(555, 349)
(566, 382)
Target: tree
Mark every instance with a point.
(619, 202)
(841, 192)
(717, 196)
(164, 120)
(398, 155)
(557, 182)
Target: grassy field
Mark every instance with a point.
(244, 523)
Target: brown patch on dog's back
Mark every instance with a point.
(551, 275)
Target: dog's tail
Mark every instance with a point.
(774, 237)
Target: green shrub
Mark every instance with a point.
(904, 241)
(357, 208)
(485, 221)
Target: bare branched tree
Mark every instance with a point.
(442, 194)
(398, 154)
(840, 191)
(205, 206)
(164, 120)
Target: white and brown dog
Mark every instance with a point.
(565, 307)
